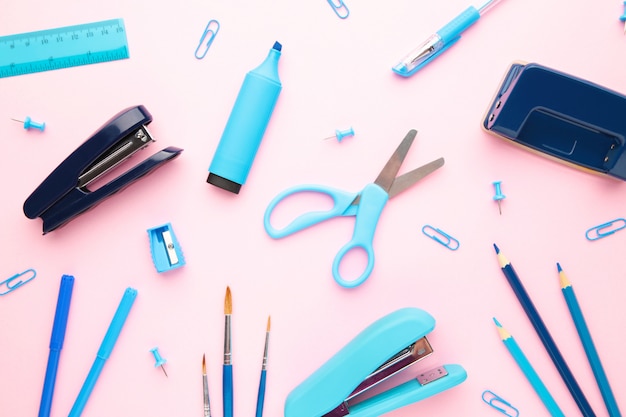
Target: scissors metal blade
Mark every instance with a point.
(387, 176)
(409, 179)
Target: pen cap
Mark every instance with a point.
(246, 124)
(62, 311)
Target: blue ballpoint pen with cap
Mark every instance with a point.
(439, 42)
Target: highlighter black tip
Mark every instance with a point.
(277, 46)
(496, 248)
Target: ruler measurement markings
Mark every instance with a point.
(63, 47)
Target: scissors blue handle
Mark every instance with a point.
(372, 201)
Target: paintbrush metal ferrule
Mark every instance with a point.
(227, 341)
(205, 389)
(267, 340)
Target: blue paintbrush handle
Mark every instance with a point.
(261, 397)
(227, 390)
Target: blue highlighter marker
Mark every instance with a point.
(246, 125)
(56, 343)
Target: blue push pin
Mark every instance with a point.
(340, 134)
(159, 360)
(623, 17)
(499, 196)
(29, 124)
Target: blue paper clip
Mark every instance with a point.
(499, 404)
(605, 229)
(440, 236)
(208, 31)
(340, 9)
(11, 285)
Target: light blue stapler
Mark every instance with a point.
(383, 349)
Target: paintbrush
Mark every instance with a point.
(261, 395)
(227, 376)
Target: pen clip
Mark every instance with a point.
(11, 285)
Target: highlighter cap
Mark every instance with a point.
(223, 183)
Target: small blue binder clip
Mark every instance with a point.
(165, 249)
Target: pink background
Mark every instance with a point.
(335, 74)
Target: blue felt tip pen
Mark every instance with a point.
(246, 125)
(439, 42)
(105, 350)
(56, 343)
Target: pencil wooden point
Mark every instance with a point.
(269, 322)
(563, 278)
(228, 302)
(502, 331)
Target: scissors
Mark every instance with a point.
(366, 206)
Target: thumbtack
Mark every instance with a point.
(30, 124)
(498, 196)
(159, 360)
(340, 134)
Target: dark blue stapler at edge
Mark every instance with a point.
(63, 195)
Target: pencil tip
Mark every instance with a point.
(558, 267)
(497, 322)
(269, 322)
(228, 302)
(203, 364)
(496, 248)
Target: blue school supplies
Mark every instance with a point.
(110, 338)
(439, 42)
(366, 206)
(208, 36)
(384, 348)
(31, 124)
(560, 116)
(56, 343)
(246, 125)
(63, 47)
(14, 282)
(605, 229)
(499, 404)
(340, 8)
(65, 193)
(165, 249)
(441, 237)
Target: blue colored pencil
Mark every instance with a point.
(544, 335)
(588, 345)
(56, 343)
(529, 371)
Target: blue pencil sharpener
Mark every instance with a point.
(165, 249)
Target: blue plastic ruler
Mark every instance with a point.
(64, 47)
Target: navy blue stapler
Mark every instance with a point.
(64, 194)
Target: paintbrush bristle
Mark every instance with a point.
(228, 302)
(269, 322)
(203, 364)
